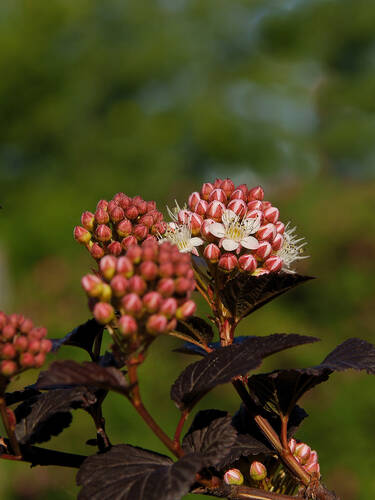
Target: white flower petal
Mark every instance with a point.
(196, 242)
(228, 216)
(250, 243)
(217, 229)
(230, 245)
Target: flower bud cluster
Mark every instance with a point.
(21, 344)
(235, 228)
(144, 292)
(304, 455)
(118, 224)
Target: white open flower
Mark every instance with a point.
(180, 235)
(292, 248)
(235, 231)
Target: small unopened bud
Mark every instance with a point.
(187, 309)
(273, 263)
(88, 220)
(267, 232)
(96, 251)
(134, 254)
(195, 223)
(313, 458)
(239, 207)
(38, 333)
(125, 267)
(132, 304)
(280, 227)
(82, 235)
(115, 248)
(26, 325)
(266, 204)
(212, 253)
(117, 214)
(137, 285)
(182, 285)
(292, 445)
(148, 270)
(102, 204)
(21, 343)
(247, 262)
(45, 345)
(206, 190)
(39, 360)
(119, 285)
(166, 287)
(205, 230)
(238, 194)
(201, 207)
(103, 312)
(152, 301)
(156, 324)
(218, 195)
(92, 285)
(103, 232)
(106, 293)
(9, 332)
(271, 214)
(127, 325)
(227, 186)
(169, 307)
(254, 205)
(166, 270)
(34, 346)
(193, 200)
(124, 228)
(258, 471)
(313, 469)
(8, 368)
(140, 231)
(107, 266)
(302, 452)
(8, 351)
(147, 220)
(228, 262)
(27, 360)
(215, 210)
(101, 216)
(128, 242)
(277, 242)
(233, 476)
(256, 193)
(132, 212)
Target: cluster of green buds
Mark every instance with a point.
(21, 344)
(118, 224)
(142, 293)
(257, 473)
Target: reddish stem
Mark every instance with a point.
(180, 426)
(9, 429)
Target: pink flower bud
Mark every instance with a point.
(201, 207)
(239, 207)
(156, 324)
(256, 193)
(313, 458)
(247, 262)
(267, 232)
(88, 220)
(205, 230)
(218, 195)
(159, 228)
(149, 270)
(244, 189)
(195, 223)
(103, 233)
(137, 285)
(227, 186)
(212, 252)
(183, 216)
(82, 235)
(255, 214)
(125, 267)
(26, 325)
(34, 346)
(96, 251)
(140, 232)
(101, 216)
(132, 212)
(233, 477)
(150, 251)
(117, 214)
(27, 360)
(273, 263)
(271, 214)
(8, 368)
(152, 301)
(171, 324)
(38, 333)
(132, 304)
(39, 360)
(206, 190)
(124, 228)
(258, 471)
(92, 285)
(106, 293)
(147, 220)
(112, 205)
(313, 469)
(166, 287)
(302, 452)
(8, 351)
(169, 307)
(103, 312)
(127, 325)
(9, 331)
(217, 183)
(280, 227)
(193, 200)
(107, 266)
(115, 248)
(119, 285)
(182, 268)
(45, 345)
(122, 200)
(228, 262)
(134, 254)
(166, 270)
(15, 319)
(292, 445)
(215, 210)
(187, 309)
(254, 205)
(238, 194)
(128, 242)
(266, 204)
(151, 205)
(182, 285)
(102, 204)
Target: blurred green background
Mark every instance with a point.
(154, 98)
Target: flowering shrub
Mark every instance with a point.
(228, 245)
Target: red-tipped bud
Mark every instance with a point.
(166, 270)
(313, 469)
(150, 251)
(34, 346)
(119, 285)
(88, 220)
(273, 263)
(82, 235)
(169, 307)
(152, 301)
(9, 331)
(8, 368)
(195, 223)
(112, 205)
(122, 200)
(266, 204)
(183, 216)
(103, 312)
(302, 452)
(218, 195)
(239, 207)
(182, 285)
(227, 186)
(117, 214)
(254, 205)
(101, 216)
(21, 343)
(187, 309)
(255, 214)
(193, 200)
(140, 231)
(45, 345)
(92, 285)
(39, 360)
(271, 214)
(102, 204)
(27, 360)
(16, 319)
(238, 194)
(228, 262)
(107, 266)
(149, 270)
(215, 210)
(267, 232)
(258, 471)
(132, 304)
(8, 351)
(166, 287)
(132, 212)
(38, 333)
(256, 193)
(115, 248)
(159, 228)
(128, 242)
(233, 476)
(201, 207)
(313, 458)
(96, 251)
(124, 228)
(156, 324)
(103, 233)
(125, 267)
(247, 262)
(205, 230)
(212, 252)
(244, 189)
(292, 443)
(217, 182)
(137, 285)
(147, 220)
(127, 325)
(280, 227)
(151, 205)
(206, 190)
(277, 242)
(134, 254)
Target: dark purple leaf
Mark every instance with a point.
(83, 336)
(129, 473)
(71, 373)
(189, 348)
(45, 415)
(354, 353)
(196, 328)
(243, 294)
(211, 436)
(11, 398)
(222, 365)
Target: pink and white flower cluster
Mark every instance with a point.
(143, 292)
(304, 455)
(236, 228)
(118, 224)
